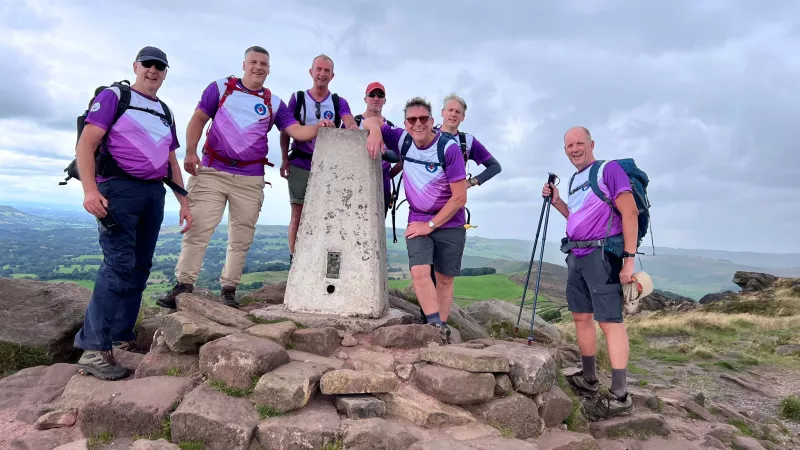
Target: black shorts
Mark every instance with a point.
(443, 248)
(593, 285)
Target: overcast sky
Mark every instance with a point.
(704, 94)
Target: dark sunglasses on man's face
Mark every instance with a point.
(150, 63)
(376, 94)
(422, 120)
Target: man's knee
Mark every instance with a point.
(611, 327)
(582, 318)
(444, 280)
(420, 272)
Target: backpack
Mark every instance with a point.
(105, 165)
(300, 104)
(360, 117)
(639, 181)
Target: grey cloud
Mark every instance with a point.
(22, 88)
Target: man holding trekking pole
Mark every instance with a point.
(594, 283)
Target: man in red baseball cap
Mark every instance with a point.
(375, 98)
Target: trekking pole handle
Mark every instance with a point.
(551, 179)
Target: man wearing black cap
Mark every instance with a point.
(124, 190)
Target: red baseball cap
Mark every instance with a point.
(375, 85)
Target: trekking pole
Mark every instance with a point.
(550, 179)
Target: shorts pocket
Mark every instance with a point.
(607, 302)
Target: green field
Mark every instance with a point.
(265, 277)
(88, 284)
(85, 257)
(78, 267)
(479, 288)
(23, 275)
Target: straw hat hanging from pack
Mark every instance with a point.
(633, 293)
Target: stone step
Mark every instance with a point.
(532, 369)
(348, 381)
(289, 387)
(214, 311)
(454, 386)
(239, 358)
(469, 359)
(280, 332)
(411, 404)
(185, 332)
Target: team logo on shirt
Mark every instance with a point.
(95, 107)
(328, 115)
(431, 168)
(164, 121)
(260, 109)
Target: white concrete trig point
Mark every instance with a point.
(339, 262)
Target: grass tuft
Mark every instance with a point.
(267, 412)
(789, 408)
(14, 357)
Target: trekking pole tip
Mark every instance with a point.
(530, 340)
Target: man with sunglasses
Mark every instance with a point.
(436, 194)
(375, 99)
(232, 169)
(317, 103)
(126, 194)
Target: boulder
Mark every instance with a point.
(131, 407)
(289, 387)
(57, 419)
(379, 434)
(440, 444)
(185, 332)
(220, 421)
(405, 306)
(643, 398)
(319, 341)
(39, 318)
(788, 349)
(280, 332)
(472, 431)
(454, 386)
(34, 389)
(330, 363)
(128, 360)
(146, 329)
(533, 369)
(270, 294)
(404, 371)
(659, 300)
(362, 359)
(516, 413)
(360, 406)
(753, 281)
(471, 360)
(717, 297)
(494, 443)
(347, 381)
(162, 361)
(312, 427)
(405, 336)
(467, 326)
(238, 359)
(82, 444)
(499, 318)
(413, 405)
(633, 425)
(213, 310)
(503, 386)
(46, 439)
(556, 406)
(555, 439)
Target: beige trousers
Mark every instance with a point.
(208, 193)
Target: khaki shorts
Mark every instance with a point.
(298, 181)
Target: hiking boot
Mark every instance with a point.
(607, 405)
(448, 332)
(228, 297)
(128, 346)
(442, 332)
(582, 386)
(101, 363)
(168, 301)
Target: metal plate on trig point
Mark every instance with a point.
(334, 264)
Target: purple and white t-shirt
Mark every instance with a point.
(239, 130)
(326, 111)
(475, 150)
(588, 214)
(140, 142)
(427, 187)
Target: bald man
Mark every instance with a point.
(594, 290)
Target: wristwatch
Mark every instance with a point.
(431, 224)
(473, 181)
(628, 255)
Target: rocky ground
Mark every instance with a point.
(710, 376)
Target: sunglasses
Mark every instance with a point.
(317, 113)
(413, 120)
(160, 66)
(376, 94)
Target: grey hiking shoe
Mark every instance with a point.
(583, 387)
(442, 332)
(101, 363)
(448, 332)
(228, 297)
(607, 405)
(168, 301)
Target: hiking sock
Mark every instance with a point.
(589, 368)
(433, 318)
(618, 383)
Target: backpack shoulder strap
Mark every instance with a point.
(336, 119)
(593, 171)
(441, 146)
(167, 111)
(268, 102)
(406, 145)
(300, 104)
(230, 86)
(462, 140)
(124, 99)
(389, 122)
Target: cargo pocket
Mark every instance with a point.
(607, 302)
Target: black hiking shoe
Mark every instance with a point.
(168, 301)
(228, 297)
(101, 364)
(442, 332)
(607, 405)
(448, 332)
(583, 387)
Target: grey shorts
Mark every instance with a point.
(443, 248)
(298, 181)
(593, 286)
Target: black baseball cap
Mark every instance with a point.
(152, 53)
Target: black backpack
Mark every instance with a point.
(105, 165)
(360, 117)
(300, 104)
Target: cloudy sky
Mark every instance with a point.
(704, 94)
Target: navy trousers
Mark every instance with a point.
(128, 247)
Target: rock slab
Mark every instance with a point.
(185, 332)
(457, 387)
(640, 425)
(413, 405)
(517, 413)
(220, 421)
(312, 427)
(347, 381)
(379, 434)
(214, 311)
(280, 332)
(406, 336)
(360, 406)
(319, 341)
(289, 387)
(353, 324)
(240, 358)
(533, 369)
(469, 359)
